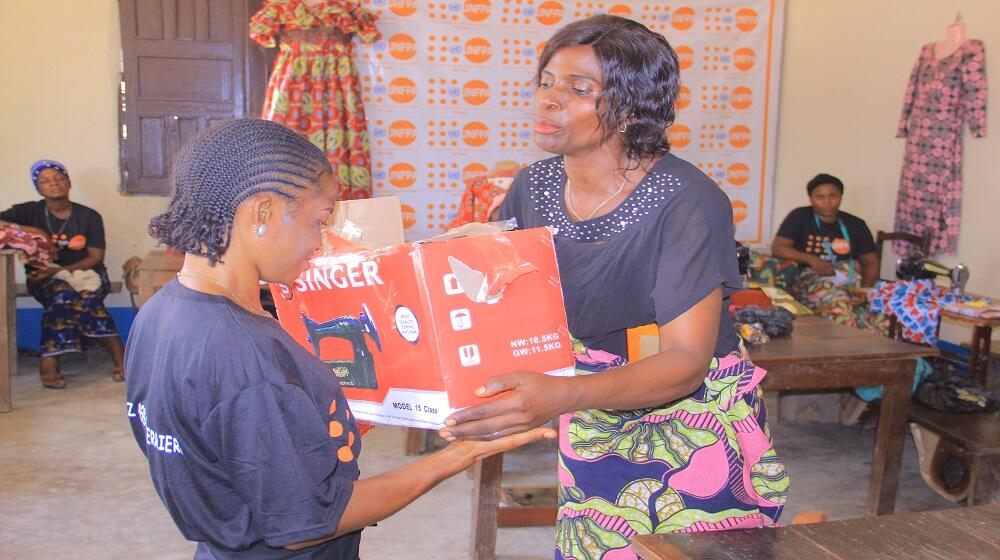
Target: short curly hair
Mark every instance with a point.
(222, 166)
(641, 79)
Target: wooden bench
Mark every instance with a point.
(973, 439)
(21, 290)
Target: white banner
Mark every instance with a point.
(448, 93)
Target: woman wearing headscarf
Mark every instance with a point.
(72, 290)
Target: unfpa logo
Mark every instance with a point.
(475, 134)
(402, 46)
(402, 90)
(738, 174)
(620, 10)
(473, 171)
(746, 19)
(403, 7)
(739, 136)
(744, 58)
(402, 133)
(478, 50)
(409, 216)
(683, 98)
(550, 13)
(476, 92)
(402, 175)
(679, 136)
(682, 19)
(685, 56)
(740, 212)
(741, 98)
(476, 10)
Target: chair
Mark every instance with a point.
(919, 241)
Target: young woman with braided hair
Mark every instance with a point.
(251, 445)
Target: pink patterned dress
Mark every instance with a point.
(941, 97)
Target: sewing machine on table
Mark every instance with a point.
(359, 372)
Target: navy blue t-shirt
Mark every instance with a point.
(662, 250)
(800, 226)
(251, 444)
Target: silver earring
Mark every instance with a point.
(623, 128)
(260, 230)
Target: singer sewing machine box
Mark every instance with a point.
(411, 330)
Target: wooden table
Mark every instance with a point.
(819, 355)
(979, 352)
(8, 335)
(971, 533)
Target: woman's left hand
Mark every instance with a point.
(42, 273)
(527, 400)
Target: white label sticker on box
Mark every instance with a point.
(461, 320)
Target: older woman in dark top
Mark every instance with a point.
(73, 318)
(677, 441)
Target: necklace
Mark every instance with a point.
(569, 199)
(55, 235)
(232, 294)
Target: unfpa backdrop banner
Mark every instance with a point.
(448, 93)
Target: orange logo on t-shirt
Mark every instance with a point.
(476, 10)
(402, 46)
(746, 19)
(402, 132)
(685, 56)
(475, 134)
(409, 215)
(77, 242)
(683, 98)
(683, 18)
(402, 175)
(550, 13)
(679, 135)
(478, 50)
(476, 92)
(403, 7)
(744, 58)
(840, 246)
(402, 90)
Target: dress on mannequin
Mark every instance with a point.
(314, 86)
(947, 89)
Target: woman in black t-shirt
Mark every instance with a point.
(835, 252)
(71, 291)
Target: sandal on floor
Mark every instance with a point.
(118, 375)
(56, 381)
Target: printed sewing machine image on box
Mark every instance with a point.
(413, 329)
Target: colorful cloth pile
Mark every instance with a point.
(917, 306)
(36, 251)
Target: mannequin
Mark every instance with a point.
(954, 37)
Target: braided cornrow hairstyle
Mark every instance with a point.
(221, 167)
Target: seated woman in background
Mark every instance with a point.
(73, 317)
(835, 251)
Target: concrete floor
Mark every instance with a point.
(74, 484)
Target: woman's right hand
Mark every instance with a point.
(822, 267)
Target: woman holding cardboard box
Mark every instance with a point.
(251, 445)
(677, 441)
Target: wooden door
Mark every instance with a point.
(185, 65)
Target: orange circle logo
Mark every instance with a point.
(746, 19)
(402, 46)
(620, 10)
(402, 90)
(685, 56)
(478, 50)
(744, 58)
(476, 10)
(683, 98)
(740, 212)
(739, 136)
(682, 19)
(473, 171)
(840, 246)
(475, 134)
(741, 98)
(402, 133)
(403, 7)
(550, 13)
(402, 175)
(476, 92)
(679, 135)
(409, 216)
(738, 174)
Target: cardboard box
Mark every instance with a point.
(411, 330)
